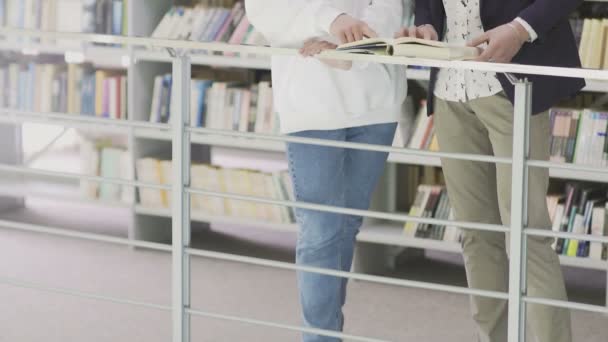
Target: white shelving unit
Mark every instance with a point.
(142, 66)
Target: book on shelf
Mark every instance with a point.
(423, 135)
(579, 136)
(110, 167)
(231, 105)
(599, 227)
(431, 201)
(579, 210)
(209, 21)
(166, 179)
(429, 210)
(71, 88)
(410, 47)
(89, 16)
(149, 170)
(89, 165)
(592, 36)
(100, 158)
(211, 178)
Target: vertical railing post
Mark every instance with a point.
(519, 203)
(180, 204)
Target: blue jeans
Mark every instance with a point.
(337, 177)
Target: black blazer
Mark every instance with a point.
(555, 45)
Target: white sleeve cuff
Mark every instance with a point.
(326, 16)
(531, 32)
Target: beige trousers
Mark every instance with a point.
(481, 192)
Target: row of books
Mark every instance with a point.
(423, 137)
(72, 88)
(417, 132)
(592, 37)
(225, 180)
(220, 105)
(209, 22)
(580, 210)
(579, 136)
(432, 201)
(101, 158)
(90, 16)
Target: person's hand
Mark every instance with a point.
(427, 32)
(348, 29)
(313, 47)
(504, 42)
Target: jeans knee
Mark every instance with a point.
(319, 229)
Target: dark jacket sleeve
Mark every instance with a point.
(423, 12)
(543, 15)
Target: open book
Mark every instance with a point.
(410, 47)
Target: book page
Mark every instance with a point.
(367, 42)
(417, 50)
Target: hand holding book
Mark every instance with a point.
(504, 42)
(414, 42)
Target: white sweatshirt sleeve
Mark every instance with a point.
(384, 16)
(289, 23)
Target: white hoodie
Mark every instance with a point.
(309, 95)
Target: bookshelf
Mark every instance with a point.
(141, 67)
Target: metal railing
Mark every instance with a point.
(181, 191)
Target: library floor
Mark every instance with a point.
(387, 312)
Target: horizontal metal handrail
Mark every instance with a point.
(21, 116)
(35, 228)
(52, 117)
(270, 51)
(257, 322)
(567, 166)
(348, 145)
(347, 275)
(77, 176)
(396, 217)
(565, 304)
(565, 235)
(348, 211)
(80, 294)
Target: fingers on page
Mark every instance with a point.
(358, 33)
(413, 32)
(368, 32)
(434, 34)
(427, 34)
(401, 33)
